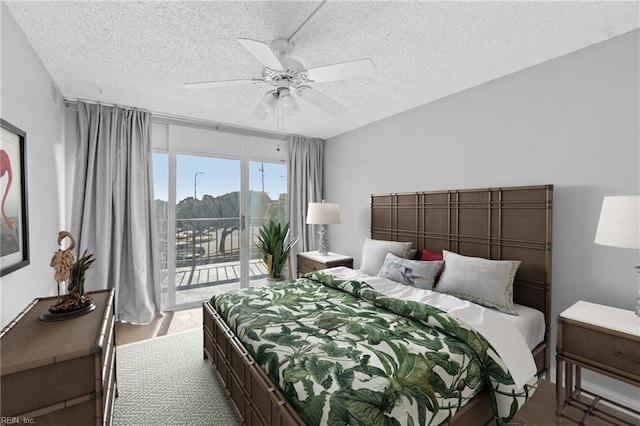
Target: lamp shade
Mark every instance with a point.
(323, 213)
(619, 224)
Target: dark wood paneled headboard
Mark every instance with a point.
(511, 223)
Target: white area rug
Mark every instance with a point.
(166, 381)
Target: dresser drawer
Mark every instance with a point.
(307, 265)
(313, 261)
(348, 263)
(611, 352)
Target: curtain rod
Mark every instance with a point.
(161, 118)
(70, 102)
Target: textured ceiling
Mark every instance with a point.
(140, 53)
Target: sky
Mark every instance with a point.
(219, 176)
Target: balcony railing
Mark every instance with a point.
(207, 251)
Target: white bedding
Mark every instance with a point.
(530, 322)
(513, 337)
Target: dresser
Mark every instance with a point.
(59, 372)
(602, 339)
(310, 261)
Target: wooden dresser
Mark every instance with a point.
(60, 372)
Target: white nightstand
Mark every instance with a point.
(602, 339)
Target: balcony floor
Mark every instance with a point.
(195, 285)
(212, 274)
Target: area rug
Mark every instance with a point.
(166, 381)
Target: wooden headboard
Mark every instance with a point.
(511, 223)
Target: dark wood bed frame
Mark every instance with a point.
(511, 223)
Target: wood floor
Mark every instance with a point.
(171, 322)
(539, 410)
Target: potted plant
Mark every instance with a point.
(275, 247)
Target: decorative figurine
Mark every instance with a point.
(62, 260)
(69, 269)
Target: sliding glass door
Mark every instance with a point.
(207, 226)
(209, 207)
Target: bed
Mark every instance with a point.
(498, 223)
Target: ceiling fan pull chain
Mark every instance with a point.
(281, 118)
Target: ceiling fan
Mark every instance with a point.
(289, 78)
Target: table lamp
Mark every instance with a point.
(323, 214)
(619, 226)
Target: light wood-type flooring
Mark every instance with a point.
(539, 410)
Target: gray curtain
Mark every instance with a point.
(113, 213)
(305, 186)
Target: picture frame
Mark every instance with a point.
(14, 218)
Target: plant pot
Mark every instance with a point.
(274, 279)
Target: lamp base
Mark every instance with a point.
(323, 241)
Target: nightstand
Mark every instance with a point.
(599, 338)
(310, 261)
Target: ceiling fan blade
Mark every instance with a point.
(262, 53)
(321, 101)
(222, 83)
(342, 71)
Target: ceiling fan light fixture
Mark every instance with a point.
(286, 100)
(269, 103)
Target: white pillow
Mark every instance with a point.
(374, 252)
(415, 273)
(483, 281)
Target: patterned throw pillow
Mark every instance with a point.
(374, 252)
(482, 281)
(410, 272)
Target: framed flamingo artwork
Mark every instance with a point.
(14, 226)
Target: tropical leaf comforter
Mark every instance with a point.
(343, 353)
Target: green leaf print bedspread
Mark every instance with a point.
(345, 354)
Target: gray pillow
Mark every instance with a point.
(482, 281)
(415, 273)
(374, 252)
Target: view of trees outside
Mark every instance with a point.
(207, 228)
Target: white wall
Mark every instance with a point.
(572, 122)
(27, 104)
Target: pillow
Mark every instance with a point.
(374, 252)
(483, 281)
(431, 256)
(410, 272)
